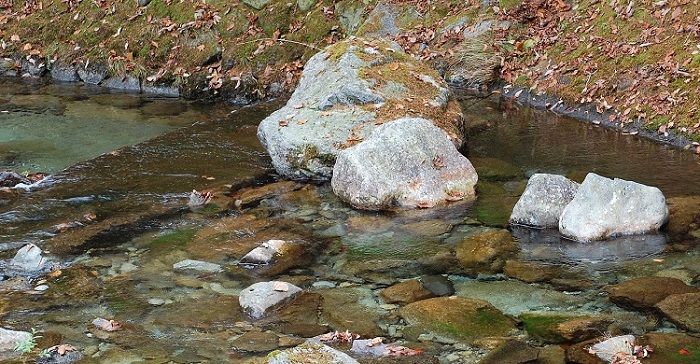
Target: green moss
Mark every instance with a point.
(543, 326)
(179, 237)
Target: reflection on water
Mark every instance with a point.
(119, 264)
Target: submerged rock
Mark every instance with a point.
(682, 309)
(511, 352)
(258, 299)
(486, 252)
(197, 265)
(405, 292)
(561, 328)
(405, 163)
(645, 292)
(603, 208)
(345, 91)
(454, 317)
(276, 256)
(543, 200)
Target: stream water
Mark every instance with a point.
(113, 217)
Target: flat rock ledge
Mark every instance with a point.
(405, 163)
(259, 299)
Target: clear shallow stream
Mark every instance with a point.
(131, 162)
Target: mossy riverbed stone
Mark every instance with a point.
(458, 318)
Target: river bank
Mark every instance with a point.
(246, 51)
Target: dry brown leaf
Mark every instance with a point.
(394, 66)
(283, 123)
(302, 122)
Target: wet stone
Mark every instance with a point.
(198, 266)
(258, 299)
(492, 169)
(511, 352)
(257, 342)
(405, 292)
(486, 252)
(438, 285)
(459, 318)
(645, 292)
(683, 310)
(559, 328)
(530, 272)
(428, 228)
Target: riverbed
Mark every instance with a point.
(113, 217)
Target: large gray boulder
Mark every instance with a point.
(543, 200)
(345, 92)
(405, 163)
(603, 208)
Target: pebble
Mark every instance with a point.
(41, 287)
(156, 301)
(323, 284)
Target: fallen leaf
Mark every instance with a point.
(683, 352)
(298, 106)
(283, 123)
(302, 122)
(394, 66)
(14, 38)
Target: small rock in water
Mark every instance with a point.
(156, 301)
(198, 266)
(259, 298)
(41, 287)
(263, 254)
(199, 199)
(29, 259)
(106, 325)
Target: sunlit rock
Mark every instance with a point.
(406, 163)
(603, 208)
(345, 92)
(258, 299)
(457, 318)
(311, 353)
(276, 256)
(28, 259)
(645, 292)
(543, 201)
(405, 292)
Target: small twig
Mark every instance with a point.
(282, 40)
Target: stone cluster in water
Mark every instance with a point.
(437, 282)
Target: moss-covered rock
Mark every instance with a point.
(486, 252)
(560, 328)
(459, 318)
